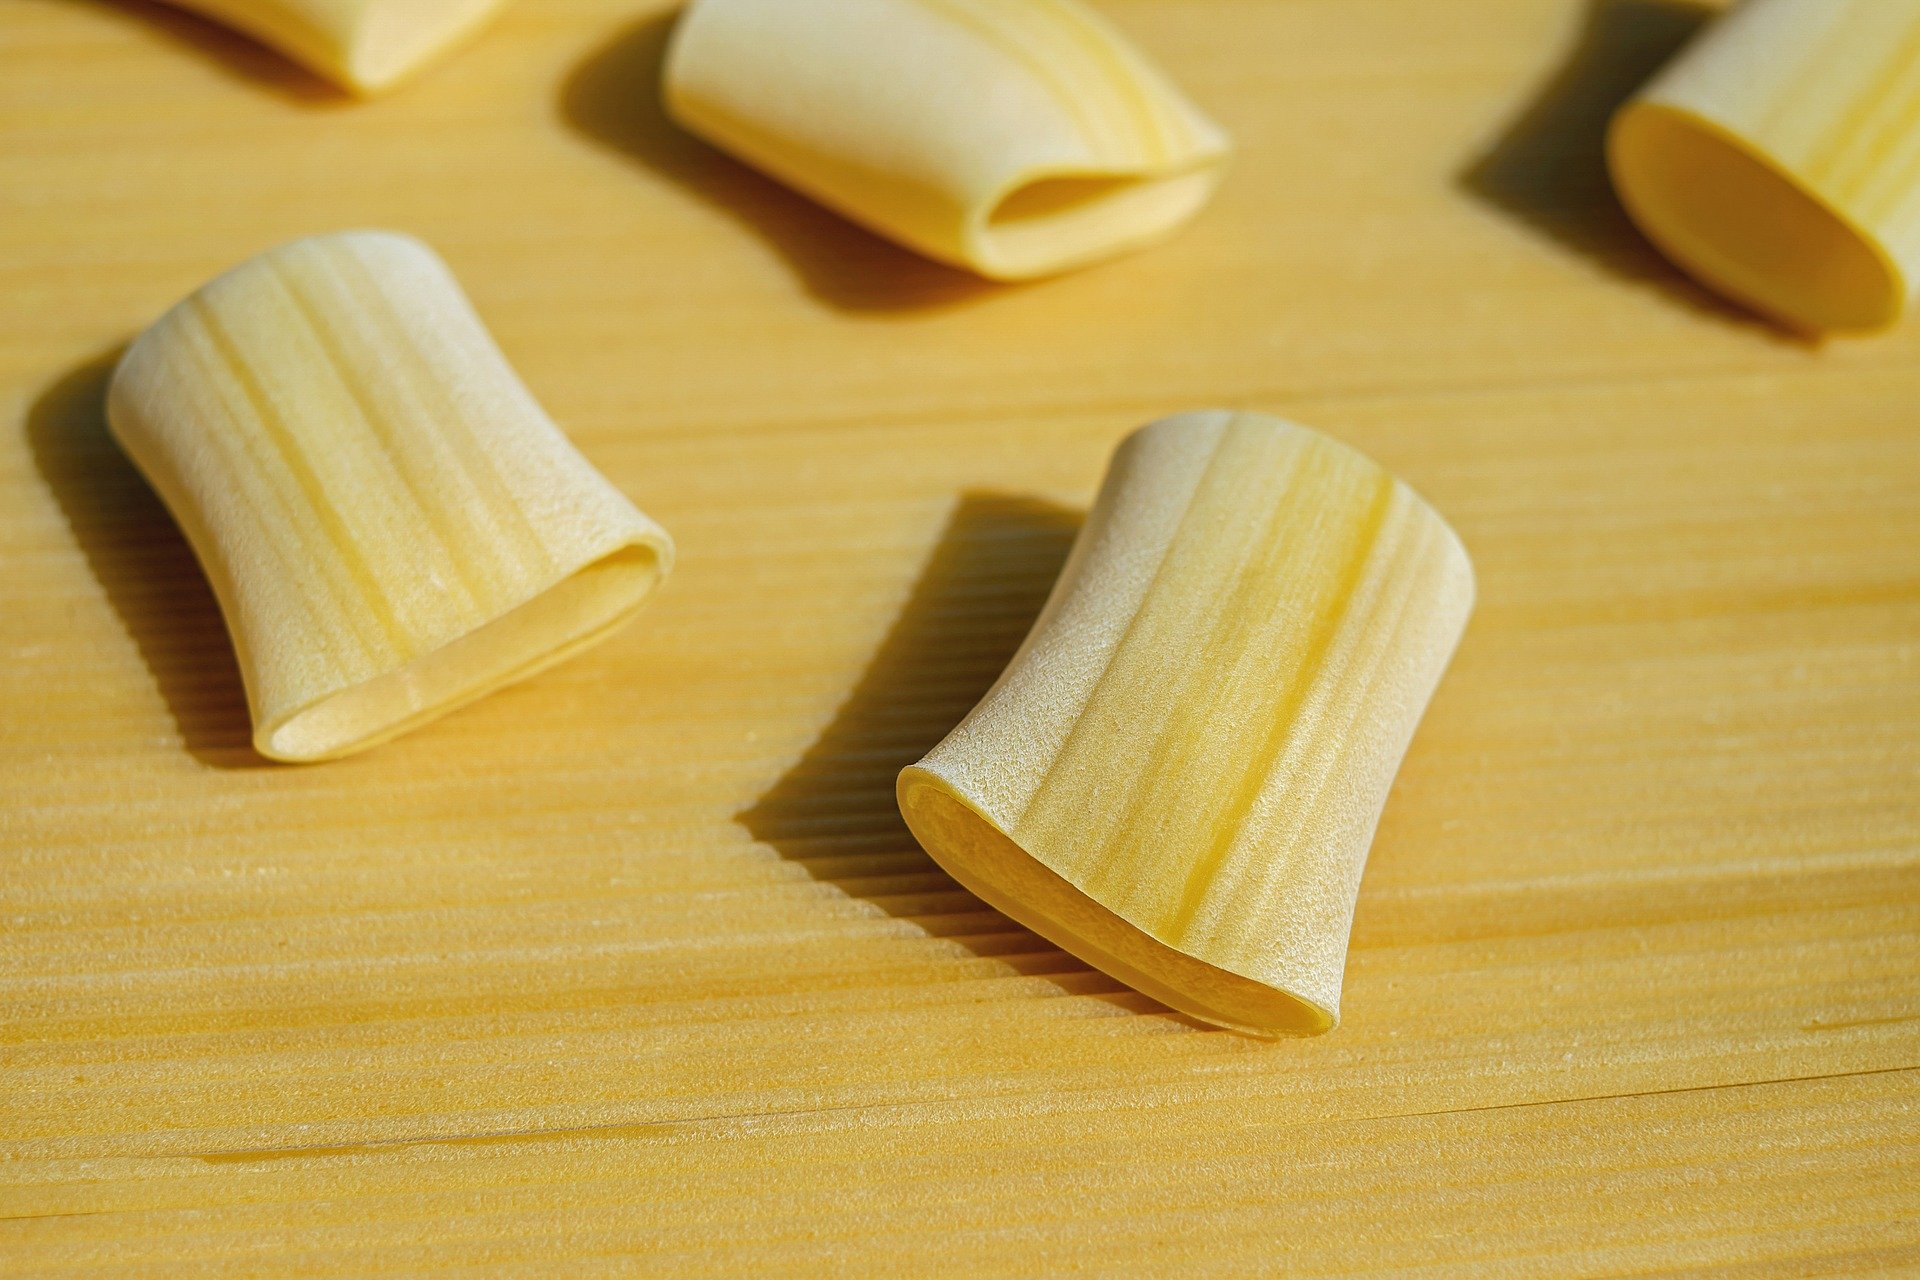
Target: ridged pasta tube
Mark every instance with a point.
(1015, 138)
(392, 525)
(362, 45)
(1179, 774)
(1777, 158)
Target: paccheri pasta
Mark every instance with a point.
(392, 524)
(1775, 159)
(1179, 774)
(1014, 138)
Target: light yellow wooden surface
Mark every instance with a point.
(633, 969)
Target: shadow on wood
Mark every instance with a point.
(143, 564)
(235, 54)
(1548, 169)
(613, 98)
(834, 812)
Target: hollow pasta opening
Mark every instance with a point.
(1054, 222)
(559, 622)
(1747, 227)
(988, 863)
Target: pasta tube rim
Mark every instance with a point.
(1650, 198)
(1035, 896)
(1000, 248)
(645, 562)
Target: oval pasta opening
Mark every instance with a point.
(571, 615)
(990, 865)
(1052, 223)
(1746, 227)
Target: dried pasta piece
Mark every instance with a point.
(1774, 159)
(392, 525)
(362, 45)
(1179, 774)
(1015, 138)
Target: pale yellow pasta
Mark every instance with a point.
(1778, 159)
(392, 525)
(1179, 774)
(1015, 138)
(362, 45)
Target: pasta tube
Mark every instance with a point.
(392, 525)
(1775, 159)
(362, 45)
(1179, 774)
(1015, 138)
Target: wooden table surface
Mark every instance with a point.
(634, 969)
